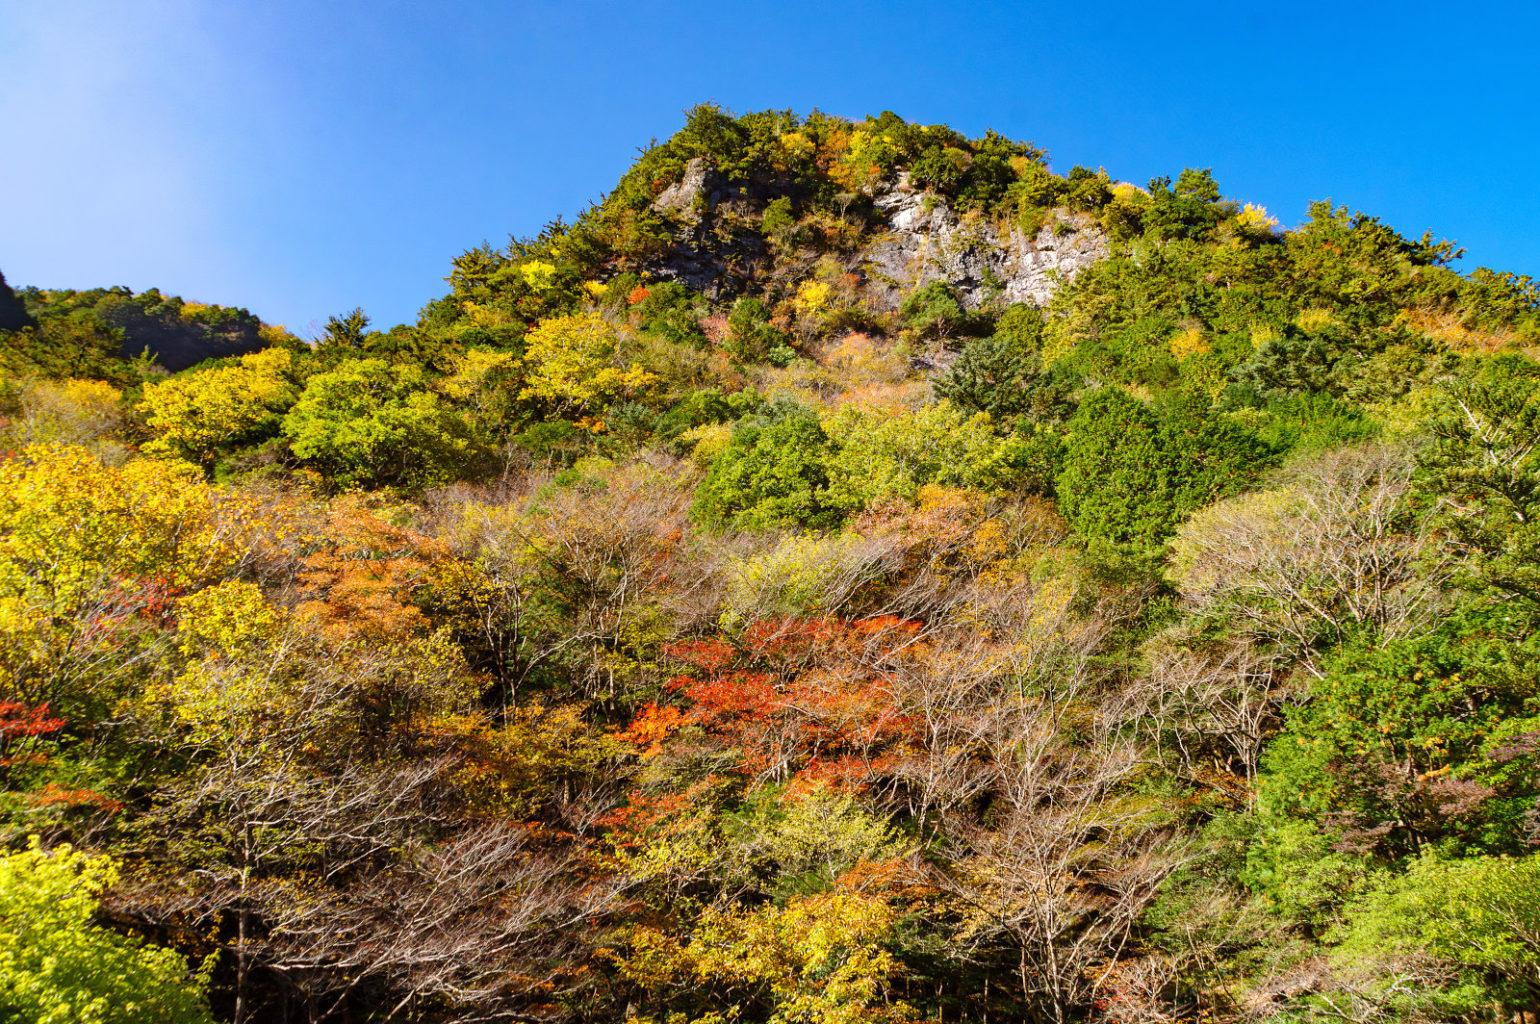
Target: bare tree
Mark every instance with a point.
(564, 575)
(334, 857)
(1206, 706)
(1339, 546)
(1041, 845)
(1061, 867)
(484, 926)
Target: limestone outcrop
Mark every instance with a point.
(920, 239)
(927, 241)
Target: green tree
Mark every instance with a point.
(1484, 464)
(13, 315)
(1087, 189)
(668, 310)
(1418, 741)
(344, 334)
(751, 338)
(1131, 472)
(1116, 483)
(1362, 269)
(883, 454)
(369, 423)
(1301, 874)
(1480, 915)
(1002, 375)
(772, 475)
(56, 967)
(1189, 209)
(79, 344)
(933, 311)
(940, 168)
(1302, 362)
(1209, 454)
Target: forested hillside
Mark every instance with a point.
(852, 574)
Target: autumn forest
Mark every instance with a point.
(852, 574)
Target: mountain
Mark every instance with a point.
(852, 573)
(98, 332)
(13, 315)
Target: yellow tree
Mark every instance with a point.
(89, 551)
(57, 966)
(574, 366)
(486, 384)
(66, 412)
(817, 960)
(196, 415)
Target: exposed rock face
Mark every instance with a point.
(704, 191)
(715, 264)
(179, 350)
(719, 269)
(927, 241)
(695, 195)
(178, 344)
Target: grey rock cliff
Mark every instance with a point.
(714, 263)
(693, 196)
(926, 241)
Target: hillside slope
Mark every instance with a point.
(850, 574)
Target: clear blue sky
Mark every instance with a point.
(303, 158)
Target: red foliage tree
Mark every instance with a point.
(21, 729)
(805, 700)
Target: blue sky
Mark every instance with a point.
(303, 158)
